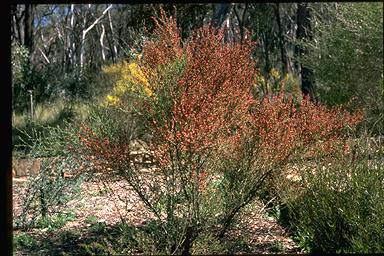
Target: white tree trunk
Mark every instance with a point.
(102, 42)
(71, 45)
(85, 31)
(113, 35)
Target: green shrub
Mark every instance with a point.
(24, 240)
(49, 190)
(91, 219)
(340, 209)
(21, 72)
(209, 244)
(55, 222)
(347, 57)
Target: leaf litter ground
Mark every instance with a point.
(106, 205)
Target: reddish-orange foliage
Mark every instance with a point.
(215, 95)
(167, 47)
(96, 147)
(214, 89)
(215, 107)
(282, 130)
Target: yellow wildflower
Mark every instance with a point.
(274, 73)
(113, 100)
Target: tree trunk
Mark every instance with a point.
(28, 35)
(84, 33)
(220, 14)
(102, 42)
(241, 20)
(114, 48)
(28, 26)
(188, 241)
(16, 24)
(71, 44)
(281, 39)
(304, 33)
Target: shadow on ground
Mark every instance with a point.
(98, 238)
(101, 239)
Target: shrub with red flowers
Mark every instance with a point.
(213, 144)
(278, 133)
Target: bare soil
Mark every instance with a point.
(113, 202)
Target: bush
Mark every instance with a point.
(21, 71)
(212, 144)
(49, 190)
(27, 77)
(339, 208)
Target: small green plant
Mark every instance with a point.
(24, 240)
(209, 244)
(277, 247)
(68, 237)
(98, 227)
(91, 219)
(55, 222)
(49, 190)
(94, 248)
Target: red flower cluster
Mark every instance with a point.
(282, 130)
(213, 110)
(214, 92)
(167, 47)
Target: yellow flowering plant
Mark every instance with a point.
(274, 73)
(275, 82)
(129, 78)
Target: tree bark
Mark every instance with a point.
(241, 20)
(281, 39)
(17, 24)
(71, 44)
(304, 33)
(102, 42)
(114, 48)
(28, 26)
(189, 238)
(220, 14)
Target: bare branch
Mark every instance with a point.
(45, 57)
(97, 20)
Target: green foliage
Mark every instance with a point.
(97, 227)
(21, 75)
(209, 244)
(20, 57)
(25, 77)
(45, 196)
(24, 240)
(94, 248)
(340, 208)
(49, 190)
(55, 222)
(347, 57)
(91, 219)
